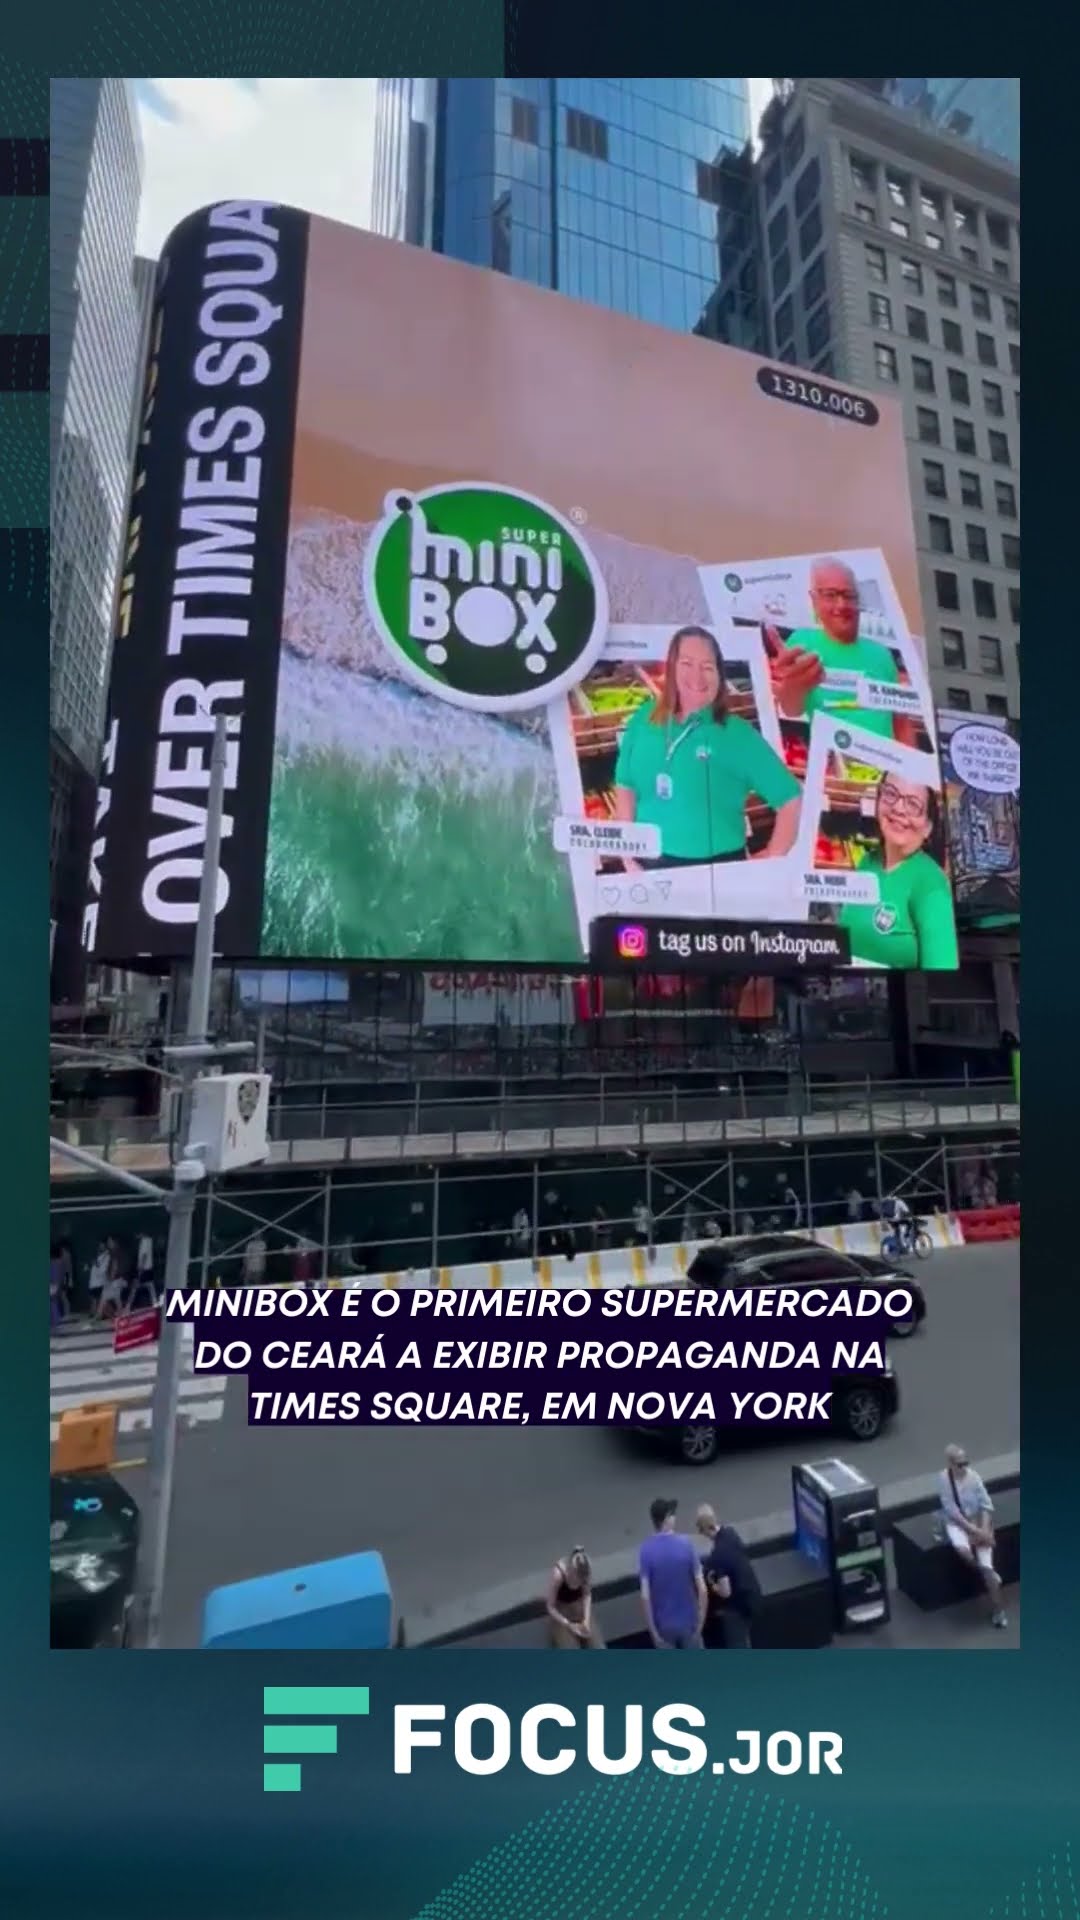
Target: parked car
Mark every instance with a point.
(862, 1404)
(93, 1545)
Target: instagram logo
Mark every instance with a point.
(633, 943)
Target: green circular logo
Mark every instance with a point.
(733, 583)
(486, 597)
(842, 740)
(885, 919)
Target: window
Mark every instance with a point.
(940, 534)
(922, 374)
(997, 229)
(958, 697)
(897, 189)
(980, 303)
(929, 426)
(806, 187)
(959, 389)
(999, 449)
(787, 352)
(970, 254)
(778, 227)
(586, 134)
(952, 338)
(817, 330)
(965, 219)
(710, 183)
(825, 364)
(1014, 605)
(933, 474)
(946, 289)
(885, 363)
(901, 228)
(794, 146)
(963, 436)
(781, 272)
(931, 204)
(773, 176)
(813, 285)
(952, 648)
(525, 121)
(993, 399)
(990, 654)
(863, 174)
(911, 274)
(985, 599)
(881, 312)
(810, 233)
(1010, 551)
(947, 592)
(1014, 358)
(933, 242)
(1002, 269)
(1005, 499)
(977, 544)
(970, 489)
(916, 323)
(876, 267)
(866, 214)
(987, 349)
(784, 319)
(1011, 310)
(997, 703)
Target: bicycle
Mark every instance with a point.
(905, 1237)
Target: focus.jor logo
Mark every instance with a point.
(487, 597)
(302, 1734)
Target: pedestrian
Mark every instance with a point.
(967, 1513)
(733, 1586)
(673, 1591)
(854, 1205)
(56, 1287)
(793, 1207)
(115, 1288)
(521, 1232)
(601, 1230)
(98, 1280)
(303, 1263)
(254, 1268)
(569, 1604)
(143, 1281)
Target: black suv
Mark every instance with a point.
(861, 1404)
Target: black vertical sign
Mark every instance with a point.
(201, 597)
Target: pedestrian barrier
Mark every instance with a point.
(981, 1224)
(86, 1438)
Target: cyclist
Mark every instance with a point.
(896, 1211)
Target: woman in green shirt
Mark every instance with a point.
(689, 767)
(913, 923)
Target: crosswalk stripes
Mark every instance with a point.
(83, 1367)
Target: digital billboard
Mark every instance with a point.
(980, 761)
(546, 637)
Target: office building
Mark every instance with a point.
(984, 112)
(893, 261)
(634, 194)
(96, 175)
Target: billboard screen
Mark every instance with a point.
(546, 636)
(980, 761)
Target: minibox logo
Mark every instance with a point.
(302, 1735)
(633, 943)
(485, 596)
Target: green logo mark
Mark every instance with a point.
(885, 919)
(284, 1776)
(733, 583)
(486, 597)
(843, 740)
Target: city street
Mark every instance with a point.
(456, 1511)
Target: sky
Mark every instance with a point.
(309, 143)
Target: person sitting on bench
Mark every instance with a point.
(968, 1521)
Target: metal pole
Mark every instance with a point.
(435, 1221)
(166, 1395)
(260, 1040)
(877, 1177)
(326, 1228)
(806, 1184)
(536, 1210)
(208, 1216)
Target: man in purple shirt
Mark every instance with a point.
(673, 1591)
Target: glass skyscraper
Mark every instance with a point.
(984, 112)
(633, 194)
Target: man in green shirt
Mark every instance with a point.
(811, 672)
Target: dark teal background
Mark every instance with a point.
(132, 1787)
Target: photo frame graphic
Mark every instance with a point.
(855, 749)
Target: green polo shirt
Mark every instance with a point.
(913, 924)
(867, 657)
(692, 779)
